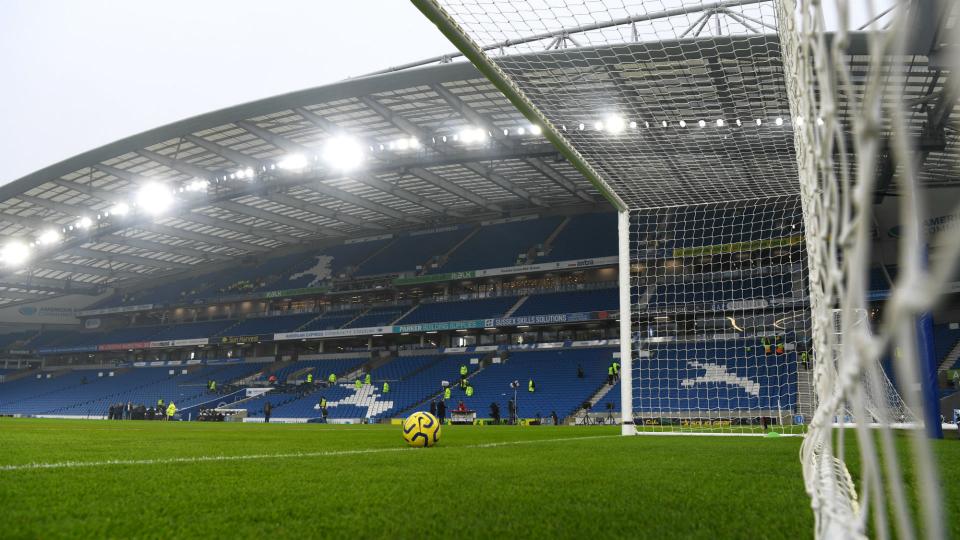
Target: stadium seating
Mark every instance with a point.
(554, 373)
(321, 369)
(733, 224)
(495, 246)
(408, 252)
(86, 393)
(194, 330)
(331, 320)
(691, 377)
(775, 286)
(569, 302)
(584, 237)
(378, 316)
(944, 340)
(270, 325)
(428, 312)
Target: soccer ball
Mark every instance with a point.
(421, 429)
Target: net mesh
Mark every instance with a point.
(699, 118)
(682, 105)
(719, 296)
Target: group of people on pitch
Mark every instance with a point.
(131, 411)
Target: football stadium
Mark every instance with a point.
(604, 268)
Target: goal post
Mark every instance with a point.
(626, 325)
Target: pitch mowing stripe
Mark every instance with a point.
(251, 457)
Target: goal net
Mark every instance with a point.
(742, 142)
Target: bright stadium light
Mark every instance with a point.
(472, 135)
(701, 123)
(14, 253)
(401, 144)
(84, 223)
(683, 123)
(719, 122)
(536, 130)
(779, 121)
(293, 162)
(120, 209)
(414, 142)
(48, 237)
(154, 198)
(633, 125)
(343, 153)
(598, 126)
(197, 184)
(615, 124)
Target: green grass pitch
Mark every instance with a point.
(178, 479)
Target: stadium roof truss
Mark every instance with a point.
(419, 171)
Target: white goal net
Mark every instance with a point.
(743, 142)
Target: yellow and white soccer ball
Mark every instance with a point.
(421, 429)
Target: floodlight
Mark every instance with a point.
(719, 122)
(48, 237)
(598, 126)
(343, 153)
(293, 162)
(197, 184)
(615, 124)
(473, 135)
(779, 121)
(683, 123)
(120, 209)
(536, 130)
(84, 223)
(154, 198)
(701, 123)
(14, 253)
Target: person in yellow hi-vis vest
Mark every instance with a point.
(366, 380)
(531, 387)
(332, 379)
(309, 378)
(463, 370)
(469, 390)
(171, 410)
(357, 384)
(446, 393)
(779, 345)
(766, 345)
(386, 387)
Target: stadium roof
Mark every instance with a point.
(419, 172)
(441, 145)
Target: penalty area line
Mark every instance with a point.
(254, 457)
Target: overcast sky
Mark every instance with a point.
(78, 74)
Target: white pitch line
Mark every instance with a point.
(250, 457)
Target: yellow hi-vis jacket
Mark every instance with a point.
(171, 410)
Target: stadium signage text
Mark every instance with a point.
(240, 339)
(122, 346)
(339, 332)
(179, 343)
(542, 319)
(119, 309)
